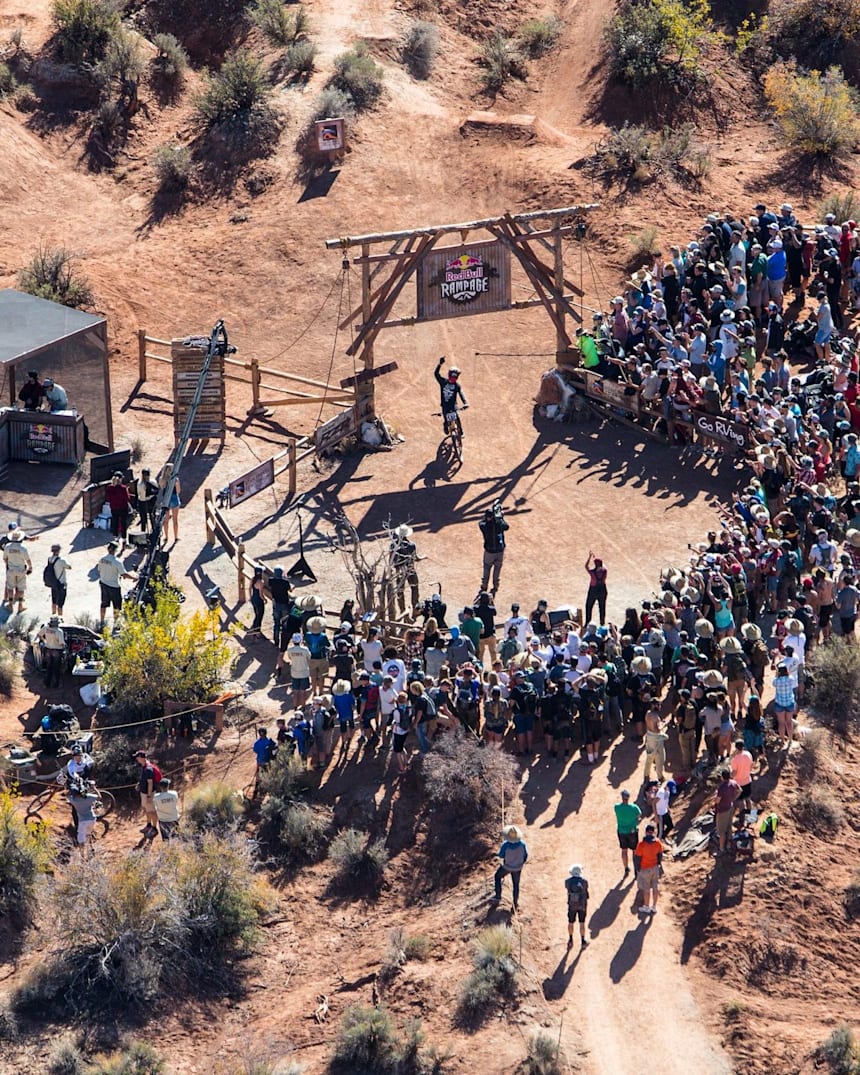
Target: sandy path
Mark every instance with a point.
(616, 993)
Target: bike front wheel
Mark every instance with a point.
(105, 805)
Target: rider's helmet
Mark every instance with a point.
(453, 373)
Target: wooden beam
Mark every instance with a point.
(368, 296)
(294, 377)
(368, 375)
(347, 241)
(502, 230)
(339, 399)
(526, 256)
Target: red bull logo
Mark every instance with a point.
(465, 278)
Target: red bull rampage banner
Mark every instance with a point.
(473, 279)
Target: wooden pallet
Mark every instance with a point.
(210, 421)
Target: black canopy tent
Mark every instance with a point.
(68, 345)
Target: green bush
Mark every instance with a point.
(357, 859)
(171, 59)
(25, 853)
(840, 1052)
(158, 654)
(658, 39)
(121, 931)
(331, 103)
(9, 662)
(214, 807)
(237, 103)
(836, 669)
(500, 60)
(114, 759)
(298, 60)
(369, 1043)
(420, 46)
(818, 810)
(844, 205)
(641, 154)
(494, 975)
(83, 29)
(52, 275)
(357, 75)
(280, 25)
(463, 780)
(817, 112)
(173, 166)
(543, 1056)
(123, 60)
(8, 82)
(303, 834)
(138, 1059)
(539, 36)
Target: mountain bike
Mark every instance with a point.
(453, 432)
(105, 805)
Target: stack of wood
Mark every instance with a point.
(210, 421)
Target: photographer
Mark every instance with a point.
(493, 527)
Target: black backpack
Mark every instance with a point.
(49, 575)
(575, 894)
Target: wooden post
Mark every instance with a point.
(561, 338)
(255, 387)
(240, 568)
(366, 394)
(207, 515)
(292, 465)
(141, 354)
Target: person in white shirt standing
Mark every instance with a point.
(110, 571)
(166, 803)
(520, 623)
(18, 567)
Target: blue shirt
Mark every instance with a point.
(514, 854)
(263, 748)
(776, 265)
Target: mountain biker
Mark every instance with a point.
(449, 390)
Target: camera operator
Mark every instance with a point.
(493, 527)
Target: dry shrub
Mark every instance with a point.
(136, 1059)
(331, 103)
(52, 274)
(836, 669)
(173, 165)
(851, 897)
(9, 662)
(814, 32)
(818, 810)
(298, 60)
(492, 979)
(83, 29)
(501, 61)
(368, 1041)
(539, 36)
(214, 807)
(303, 834)
(25, 854)
(66, 1059)
(171, 59)
(841, 1052)
(237, 102)
(420, 46)
(812, 760)
(642, 154)
(359, 77)
(359, 861)
(844, 205)
(465, 781)
(543, 1056)
(817, 112)
(279, 24)
(771, 959)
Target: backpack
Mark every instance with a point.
(49, 576)
(157, 775)
(759, 655)
(769, 824)
(575, 894)
(735, 666)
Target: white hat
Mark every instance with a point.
(512, 833)
(575, 871)
(641, 665)
(403, 531)
(727, 315)
(731, 645)
(776, 244)
(297, 638)
(704, 628)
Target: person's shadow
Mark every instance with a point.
(629, 950)
(603, 917)
(555, 987)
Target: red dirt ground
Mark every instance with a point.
(259, 262)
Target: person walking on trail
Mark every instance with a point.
(493, 527)
(514, 855)
(597, 575)
(53, 643)
(449, 391)
(655, 744)
(627, 818)
(727, 794)
(648, 860)
(577, 904)
(55, 577)
(148, 778)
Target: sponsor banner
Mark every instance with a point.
(733, 435)
(469, 279)
(329, 135)
(40, 438)
(610, 392)
(248, 485)
(336, 429)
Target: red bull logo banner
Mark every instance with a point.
(458, 280)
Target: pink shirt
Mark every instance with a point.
(742, 767)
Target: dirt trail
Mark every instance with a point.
(614, 993)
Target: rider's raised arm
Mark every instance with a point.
(437, 374)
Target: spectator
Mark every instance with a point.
(514, 855)
(648, 863)
(576, 886)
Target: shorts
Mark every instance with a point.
(523, 723)
(347, 724)
(301, 683)
(111, 595)
(822, 337)
(16, 580)
(85, 829)
(319, 668)
(724, 822)
(772, 583)
(563, 731)
(746, 791)
(58, 595)
(647, 880)
(399, 742)
(847, 624)
(495, 729)
(147, 804)
(628, 840)
(367, 718)
(572, 916)
(783, 708)
(168, 829)
(593, 731)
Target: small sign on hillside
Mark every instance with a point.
(330, 135)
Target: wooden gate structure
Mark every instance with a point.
(467, 278)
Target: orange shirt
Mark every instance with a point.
(648, 854)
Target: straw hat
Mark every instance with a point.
(794, 627)
(669, 598)
(316, 624)
(512, 833)
(731, 645)
(704, 629)
(694, 595)
(403, 531)
(309, 601)
(598, 676)
(674, 578)
(341, 686)
(641, 665)
(751, 632)
(853, 538)
(712, 678)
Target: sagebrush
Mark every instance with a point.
(501, 60)
(359, 77)
(368, 1041)
(841, 1052)
(658, 39)
(463, 780)
(279, 24)
(53, 274)
(420, 46)
(543, 1057)
(817, 112)
(358, 859)
(83, 29)
(493, 978)
(214, 807)
(836, 669)
(173, 166)
(171, 60)
(539, 36)
(25, 854)
(138, 1058)
(237, 102)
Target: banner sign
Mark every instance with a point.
(458, 280)
(610, 392)
(40, 438)
(248, 485)
(336, 429)
(734, 435)
(329, 135)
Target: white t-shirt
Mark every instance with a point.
(387, 700)
(372, 650)
(573, 645)
(397, 670)
(166, 805)
(798, 646)
(300, 662)
(522, 627)
(661, 803)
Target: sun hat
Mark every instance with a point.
(512, 833)
(310, 602)
(751, 632)
(575, 871)
(727, 315)
(713, 679)
(731, 645)
(704, 628)
(341, 686)
(641, 665)
(853, 538)
(693, 595)
(794, 627)
(316, 624)
(403, 531)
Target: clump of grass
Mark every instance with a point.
(359, 77)
(844, 205)
(544, 1056)
(171, 59)
(215, 807)
(492, 979)
(279, 24)
(402, 948)
(420, 46)
(840, 1051)
(539, 36)
(137, 1059)
(818, 810)
(173, 166)
(501, 61)
(66, 1059)
(358, 860)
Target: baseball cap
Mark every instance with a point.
(625, 794)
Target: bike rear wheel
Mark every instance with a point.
(105, 805)
(38, 804)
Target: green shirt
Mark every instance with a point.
(472, 630)
(627, 817)
(588, 347)
(758, 268)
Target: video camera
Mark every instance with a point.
(497, 509)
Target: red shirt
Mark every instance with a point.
(117, 498)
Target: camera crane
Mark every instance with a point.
(155, 560)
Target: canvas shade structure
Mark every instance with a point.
(68, 345)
